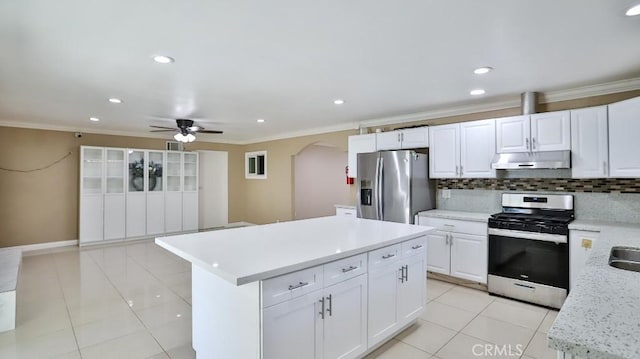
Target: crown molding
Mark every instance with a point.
(501, 103)
(301, 133)
(103, 132)
(507, 102)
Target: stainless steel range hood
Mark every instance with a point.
(520, 160)
(523, 160)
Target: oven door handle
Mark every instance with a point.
(547, 237)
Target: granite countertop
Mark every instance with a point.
(459, 215)
(601, 316)
(249, 254)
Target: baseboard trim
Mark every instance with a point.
(47, 245)
(239, 224)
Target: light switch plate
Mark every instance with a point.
(446, 193)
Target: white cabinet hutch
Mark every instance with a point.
(136, 193)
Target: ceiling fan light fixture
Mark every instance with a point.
(190, 137)
(178, 137)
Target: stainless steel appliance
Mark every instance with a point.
(529, 248)
(394, 185)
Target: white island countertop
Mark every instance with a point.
(249, 254)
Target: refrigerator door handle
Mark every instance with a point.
(379, 183)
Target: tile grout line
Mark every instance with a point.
(66, 305)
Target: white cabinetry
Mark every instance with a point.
(134, 193)
(589, 143)
(397, 290)
(190, 191)
(462, 150)
(173, 193)
(359, 144)
(457, 248)
(309, 321)
(580, 246)
(549, 131)
(115, 197)
(91, 193)
(624, 146)
(343, 211)
(403, 139)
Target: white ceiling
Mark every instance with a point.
(287, 60)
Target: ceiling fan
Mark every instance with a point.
(185, 130)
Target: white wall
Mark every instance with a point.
(319, 181)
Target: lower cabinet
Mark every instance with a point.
(327, 323)
(457, 248)
(344, 308)
(397, 288)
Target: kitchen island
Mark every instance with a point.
(320, 288)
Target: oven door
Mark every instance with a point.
(543, 260)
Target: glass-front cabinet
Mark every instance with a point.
(174, 171)
(190, 172)
(136, 171)
(92, 169)
(115, 195)
(115, 170)
(155, 171)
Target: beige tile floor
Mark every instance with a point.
(134, 301)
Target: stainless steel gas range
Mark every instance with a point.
(529, 248)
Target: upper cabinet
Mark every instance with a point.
(589, 143)
(624, 126)
(403, 139)
(359, 144)
(462, 150)
(550, 131)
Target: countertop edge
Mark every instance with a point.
(238, 281)
(457, 215)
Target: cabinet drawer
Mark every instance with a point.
(292, 285)
(384, 256)
(346, 212)
(344, 269)
(454, 225)
(414, 246)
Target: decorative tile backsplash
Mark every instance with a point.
(596, 185)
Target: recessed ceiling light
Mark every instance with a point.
(633, 11)
(477, 92)
(260, 120)
(115, 100)
(338, 102)
(94, 119)
(162, 59)
(482, 70)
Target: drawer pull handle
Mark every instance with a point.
(322, 310)
(417, 246)
(390, 255)
(299, 285)
(448, 225)
(345, 270)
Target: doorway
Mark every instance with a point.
(319, 181)
(213, 198)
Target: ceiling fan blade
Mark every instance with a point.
(172, 130)
(209, 131)
(163, 127)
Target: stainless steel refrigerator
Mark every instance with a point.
(394, 185)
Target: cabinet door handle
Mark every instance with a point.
(457, 171)
(604, 168)
(417, 246)
(527, 143)
(345, 270)
(330, 309)
(390, 255)
(406, 272)
(461, 171)
(322, 308)
(399, 140)
(299, 285)
(401, 274)
(451, 239)
(533, 143)
(401, 136)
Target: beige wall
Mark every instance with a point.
(319, 181)
(42, 206)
